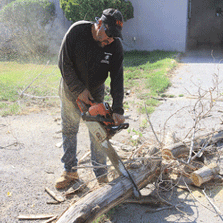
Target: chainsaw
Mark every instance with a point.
(98, 118)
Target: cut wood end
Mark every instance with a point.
(196, 179)
(204, 174)
(166, 154)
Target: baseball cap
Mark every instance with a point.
(114, 20)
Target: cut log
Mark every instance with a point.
(205, 174)
(103, 199)
(175, 151)
(180, 149)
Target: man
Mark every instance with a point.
(89, 52)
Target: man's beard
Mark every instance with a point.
(101, 43)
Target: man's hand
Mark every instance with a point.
(118, 119)
(85, 96)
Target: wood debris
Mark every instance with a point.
(92, 205)
(51, 219)
(202, 166)
(53, 195)
(34, 217)
(205, 174)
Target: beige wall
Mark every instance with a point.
(157, 24)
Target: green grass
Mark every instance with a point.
(150, 66)
(16, 77)
(145, 73)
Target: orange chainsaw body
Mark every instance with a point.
(102, 109)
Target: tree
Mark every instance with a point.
(28, 22)
(75, 10)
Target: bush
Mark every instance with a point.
(28, 22)
(75, 10)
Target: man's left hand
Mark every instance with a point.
(118, 119)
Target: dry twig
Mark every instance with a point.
(152, 127)
(213, 205)
(53, 195)
(22, 93)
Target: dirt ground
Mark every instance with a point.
(30, 153)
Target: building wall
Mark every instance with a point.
(156, 25)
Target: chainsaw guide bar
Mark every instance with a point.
(98, 118)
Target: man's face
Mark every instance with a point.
(101, 36)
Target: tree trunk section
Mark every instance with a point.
(100, 201)
(205, 174)
(175, 151)
(181, 149)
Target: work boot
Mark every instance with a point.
(102, 180)
(66, 179)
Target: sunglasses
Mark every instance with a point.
(107, 31)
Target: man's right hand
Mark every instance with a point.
(85, 96)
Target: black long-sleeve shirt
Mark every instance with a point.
(84, 64)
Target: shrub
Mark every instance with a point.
(28, 22)
(75, 10)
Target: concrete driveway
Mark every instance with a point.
(199, 75)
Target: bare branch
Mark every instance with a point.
(152, 127)
(21, 95)
(214, 206)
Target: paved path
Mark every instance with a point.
(198, 73)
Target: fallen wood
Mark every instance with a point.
(175, 151)
(53, 195)
(147, 200)
(205, 174)
(51, 219)
(103, 199)
(34, 217)
(180, 149)
(217, 137)
(213, 205)
(53, 202)
(83, 157)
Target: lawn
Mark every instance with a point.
(145, 74)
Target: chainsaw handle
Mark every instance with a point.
(97, 118)
(82, 106)
(119, 127)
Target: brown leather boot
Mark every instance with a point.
(102, 180)
(66, 179)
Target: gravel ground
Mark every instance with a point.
(30, 159)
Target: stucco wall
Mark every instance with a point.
(157, 25)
